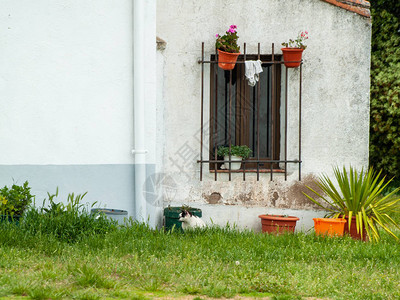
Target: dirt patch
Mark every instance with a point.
(190, 297)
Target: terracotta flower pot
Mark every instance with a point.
(353, 230)
(292, 57)
(227, 60)
(278, 224)
(328, 226)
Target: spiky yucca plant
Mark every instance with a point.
(359, 194)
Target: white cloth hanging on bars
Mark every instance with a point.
(252, 70)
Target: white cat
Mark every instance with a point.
(190, 221)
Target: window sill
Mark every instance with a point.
(250, 171)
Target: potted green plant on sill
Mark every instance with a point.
(359, 199)
(293, 50)
(238, 153)
(228, 49)
(14, 201)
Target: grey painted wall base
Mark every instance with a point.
(111, 185)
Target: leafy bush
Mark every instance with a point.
(391, 6)
(15, 200)
(385, 88)
(67, 222)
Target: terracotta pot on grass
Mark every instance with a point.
(278, 224)
(353, 230)
(226, 60)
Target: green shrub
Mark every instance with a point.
(15, 200)
(385, 88)
(391, 6)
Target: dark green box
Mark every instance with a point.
(171, 215)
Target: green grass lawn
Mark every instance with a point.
(137, 262)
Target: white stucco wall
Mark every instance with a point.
(66, 82)
(335, 103)
(66, 96)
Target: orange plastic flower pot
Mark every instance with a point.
(292, 57)
(330, 227)
(227, 60)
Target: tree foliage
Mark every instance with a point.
(385, 87)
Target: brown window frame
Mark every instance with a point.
(243, 109)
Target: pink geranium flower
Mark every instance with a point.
(228, 42)
(298, 42)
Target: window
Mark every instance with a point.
(246, 115)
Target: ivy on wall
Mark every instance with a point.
(385, 87)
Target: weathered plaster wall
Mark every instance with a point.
(65, 78)
(335, 117)
(66, 97)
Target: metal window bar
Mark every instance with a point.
(258, 119)
(215, 114)
(273, 109)
(286, 123)
(301, 72)
(230, 119)
(202, 105)
(258, 161)
(244, 164)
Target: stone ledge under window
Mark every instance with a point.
(250, 171)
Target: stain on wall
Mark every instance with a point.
(244, 197)
(295, 197)
(274, 198)
(283, 194)
(213, 198)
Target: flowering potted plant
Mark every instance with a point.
(293, 50)
(237, 154)
(228, 49)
